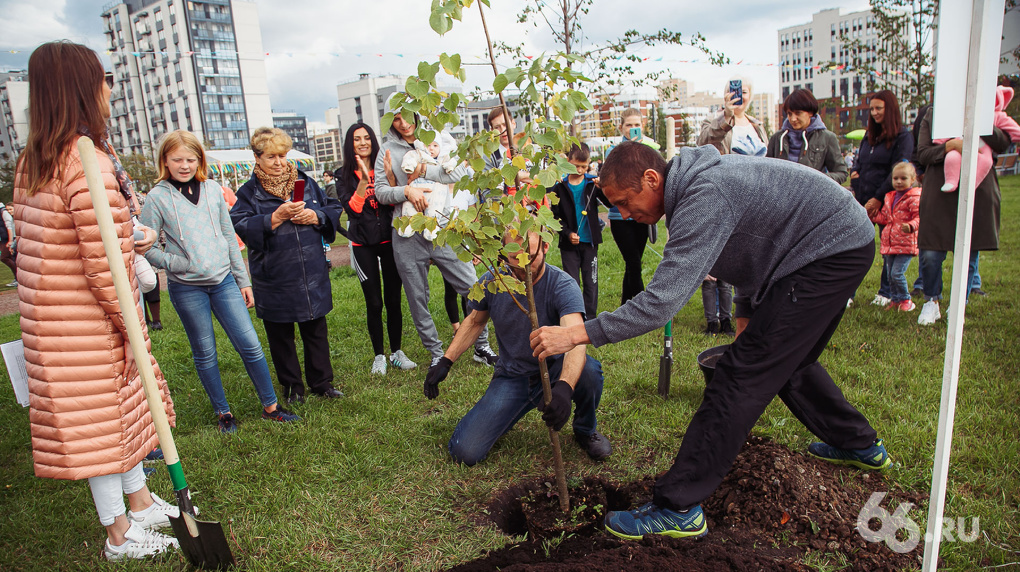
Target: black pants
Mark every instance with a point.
(318, 368)
(581, 262)
(776, 355)
(153, 296)
(367, 262)
(630, 237)
(450, 300)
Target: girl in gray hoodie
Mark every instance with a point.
(205, 272)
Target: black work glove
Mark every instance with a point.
(436, 374)
(557, 412)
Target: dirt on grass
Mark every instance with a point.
(775, 510)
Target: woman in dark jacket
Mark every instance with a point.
(805, 140)
(937, 234)
(887, 142)
(370, 233)
(289, 270)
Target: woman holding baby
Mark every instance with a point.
(413, 253)
(290, 274)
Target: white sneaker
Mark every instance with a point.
(139, 544)
(881, 300)
(400, 360)
(155, 517)
(929, 313)
(849, 302)
(485, 355)
(379, 365)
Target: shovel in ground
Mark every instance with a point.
(202, 542)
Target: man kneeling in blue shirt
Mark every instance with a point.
(516, 387)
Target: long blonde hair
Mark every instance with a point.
(65, 97)
(175, 140)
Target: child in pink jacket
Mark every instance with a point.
(900, 216)
(954, 159)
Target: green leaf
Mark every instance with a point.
(427, 136)
(499, 83)
(464, 255)
(511, 247)
(509, 172)
(452, 102)
(439, 21)
(426, 72)
(520, 162)
(386, 122)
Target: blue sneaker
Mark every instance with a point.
(873, 458)
(279, 414)
(650, 519)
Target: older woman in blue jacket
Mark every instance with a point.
(289, 269)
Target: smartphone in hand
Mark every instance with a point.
(737, 89)
(635, 134)
(299, 191)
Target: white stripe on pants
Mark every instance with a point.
(108, 492)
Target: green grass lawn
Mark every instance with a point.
(365, 483)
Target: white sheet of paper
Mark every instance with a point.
(14, 357)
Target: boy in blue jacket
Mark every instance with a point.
(581, 234)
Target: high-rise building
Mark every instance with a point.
(186, 64)
(294, 125)
(13, 113)
(805, 49)
(326, 147)
(364, 99)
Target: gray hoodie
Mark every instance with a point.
(200, 245)
(749, 221)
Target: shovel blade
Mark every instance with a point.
(208, 549)
(665, 372)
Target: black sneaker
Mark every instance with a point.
(725, 327)
(917, 292)
(295, 399)
(227, 423)
(978, 291)
(596, 445)
(711, 329)
(486, 355)
(331, 393)
(279, 414)
(157, 325)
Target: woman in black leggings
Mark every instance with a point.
(369, 232)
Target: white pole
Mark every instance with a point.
(958, 302)
(670, 138)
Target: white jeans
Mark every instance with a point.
(108, 492)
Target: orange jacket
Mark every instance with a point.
(88, 413)
(894, 240)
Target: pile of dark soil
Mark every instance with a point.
(772, 511)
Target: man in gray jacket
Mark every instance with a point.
(792, 240)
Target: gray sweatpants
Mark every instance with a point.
(412, 255)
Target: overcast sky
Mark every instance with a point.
(392, 36)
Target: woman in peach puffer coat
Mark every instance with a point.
(88, 413)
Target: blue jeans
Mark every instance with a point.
(895, 266)
(195, 306)
(931, 271)
(509, 398)
(975, 280)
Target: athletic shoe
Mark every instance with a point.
(906, 306)
(155, 455)
(12, 284)
(929, 313)
(880, 300)
(331, 393)
(726, 327)
(711, 329)
(977, 291)
(650, 519)
(157, 325)
(917, 292)
(139, 543)
(296, 399)
(228, 424)
(485, 355)
(279, 414)
(596, 445)
(849, 302)
(398, 359)
(874, 457)
(379, 365)
(155, 517)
